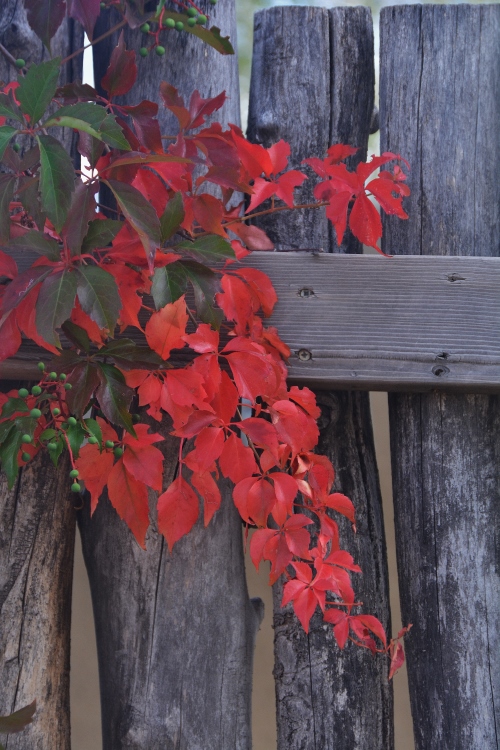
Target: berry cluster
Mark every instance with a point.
(167, 20)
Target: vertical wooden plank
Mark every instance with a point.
(440, 108)
(37, 520)
(176, 631)
(312, 84)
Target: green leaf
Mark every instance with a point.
(54, 304)
(98, 295)
(7, 184)
(169, 283)
(18, 720)
(211, 36)
(172, 217)
(101, 233)
(140, 213)
(9, 108)
(84, 379)
(12, 405)
(92, 119)
(205, 285)
(8, 454)
(211, 249)
(6, 133)
(94, 429)
(76, 436)
(47, 434)
(36, 242)
(127, 355)
(57, 180)
(115, 397)
(54, 455)
(78, 336)
(80, 214)
(37, 87)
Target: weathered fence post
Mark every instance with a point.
(37, 520)
(440, 109)
(313, 85)
(175, 632)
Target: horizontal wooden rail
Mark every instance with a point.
(364, 322)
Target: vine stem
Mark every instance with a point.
(5, 52)
(110, 31)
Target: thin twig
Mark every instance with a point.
(5, 52)
(95, 41)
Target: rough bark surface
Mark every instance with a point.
(312, 84)
(37, 520)
(37, 523)
(176, 631)
(440, 108)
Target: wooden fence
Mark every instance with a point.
(176, 632)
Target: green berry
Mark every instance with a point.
(109, 444)
(179, 26)
(75, 487)
(160, 50)
(201, 19)
(56, 411)
(72, 421)
(16, 147)
(191, 22)
(143, 52)
(192, 12)
(93, 440)
(118, 451)
(67, 386)
(213, 2)
(145, 28)
(53, 376)
(41, 366)
(62, 377)
(136, 418)
(52, 446)
(36, 390)
(74, 473)
(20, 63)
(26, 439)
(23, 392)
(35, 413)
(103, 6)
(26, 456)
(169, 23)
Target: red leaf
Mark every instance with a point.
(253, 237)
(286, 490)
(122, 70)
(287, 183)
(365, 222)
(306, 399)
(237, 461)
(8, 266)
(94, 468)
(175, 103)
(304, 605)
(165, 328)
(146, 125)
(143, 460)
(341, 504)
(178, 510)
(200, 109)
(372, 624)
(225, 401)
(209, 444)
(261, 191)
(253, 374)
(261, 285)
(209, 491)
(397, 659)
(10, 337)
(261, 433)
(129, 497)
(258, 542)
(186, 388)
(85, 11)
(254, 499)
(209, 212)
(204, 340)
(236, 301)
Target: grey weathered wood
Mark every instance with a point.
(440, 108)
(444, 331)
(176, 631)
(37, 520)
(307, 62)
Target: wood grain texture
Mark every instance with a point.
(37, 520)
(307, 63)
(176, 631)
(440, 108)
(333, 309)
